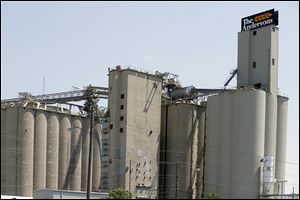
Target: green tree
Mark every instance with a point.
(119, 194)
(212, 196)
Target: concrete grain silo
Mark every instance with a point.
(8, 175)
(281, 137)
(74, 170)
(25, 152)
(85, 153)
(180, 144)
(96, 168)
(235, 143)
(64, 151)
(40, 150)
(248, 126)
(52, 151)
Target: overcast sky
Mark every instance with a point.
(74, 43)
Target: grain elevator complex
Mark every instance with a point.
(156, 138)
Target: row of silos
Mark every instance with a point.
(181, 144)
(243, 127)
(43, 149)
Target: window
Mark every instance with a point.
(273, 61)
(122, 96)
(254, 32)
(122, 107)
(254, 64)
(121, 118)
(110, 126)
(121, 130)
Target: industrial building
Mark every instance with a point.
(156, 138)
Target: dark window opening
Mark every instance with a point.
(121, 130)
(110, 126)
(254, 64)
(257, 85)
(122, 107)
(122, 96)
(254, 32)
(273, 61)
(122, 118)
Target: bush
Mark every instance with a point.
(119, 194)
(212, 196)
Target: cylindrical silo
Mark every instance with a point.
(52, 152)
(75, 160)
(85, 152)
(3, 151)
(40, 150)
(25, 152)
(224, 144)
(282, 115)
(200, 153)
(96, 157)
(182, 127)
(64, 152)
(9, 179)
(247, 141)
(271, 125)
(212, 143)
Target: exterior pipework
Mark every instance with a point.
(25, 152)
(40, 151)
(75, 160)
(65, 132)
(282, 111)
(96, 158)
(52, 152)
(85, 153)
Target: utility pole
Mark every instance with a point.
(90, 151)
(90, 107)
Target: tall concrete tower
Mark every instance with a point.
(135, 110)
(258, 52)
(247, 127)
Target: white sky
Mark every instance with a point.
(73, 44)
